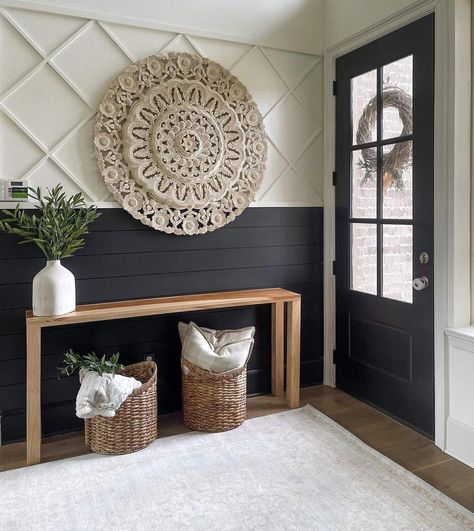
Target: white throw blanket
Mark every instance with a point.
(102, 395)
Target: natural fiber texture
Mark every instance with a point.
(180, 143)
(399, 156)
(135, 424)
(296, 470)
(213, 402)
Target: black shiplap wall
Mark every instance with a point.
(264, 247)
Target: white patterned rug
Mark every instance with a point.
(293, 470)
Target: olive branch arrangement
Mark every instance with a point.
(59, 227)
(74, 361)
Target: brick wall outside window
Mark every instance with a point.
(397, 240)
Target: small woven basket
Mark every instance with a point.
(135, 424)
(213, 402)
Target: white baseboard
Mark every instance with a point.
(460, 441)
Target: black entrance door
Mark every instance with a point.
(384, 224)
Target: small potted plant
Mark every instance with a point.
(58, 230)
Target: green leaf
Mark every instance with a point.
(58, 227)
(74, 361)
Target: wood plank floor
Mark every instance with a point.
(404, 446)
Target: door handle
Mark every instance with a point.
(420, 283)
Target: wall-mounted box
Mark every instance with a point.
(14, 190)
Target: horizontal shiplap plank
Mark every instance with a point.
(138, 342)
(121, 242)
(120, 265)
(12, 322)
(56, 419)
(56, 389)
(311, 372)
(143, 333)
(57, 340)
(142, 286)
(252, 217)
(13, 372)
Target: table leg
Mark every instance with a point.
(278, 333)
(293, 354)
(33, 395)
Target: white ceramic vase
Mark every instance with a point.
(54, 290)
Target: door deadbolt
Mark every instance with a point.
(420, 283)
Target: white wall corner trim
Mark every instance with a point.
(57, 64)
(450, 180)
(460, 398)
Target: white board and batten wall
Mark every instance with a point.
(460, 396)
(59, 57)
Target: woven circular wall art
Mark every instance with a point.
(180, 143)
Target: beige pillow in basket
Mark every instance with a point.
(216, 351)
(218, 338)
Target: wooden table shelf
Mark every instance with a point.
(88, 313)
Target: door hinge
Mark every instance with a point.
(334, 267)
(334, 88)
(334, 178)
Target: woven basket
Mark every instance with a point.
(213, 402)
(135, 424)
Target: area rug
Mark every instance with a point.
(292, 470)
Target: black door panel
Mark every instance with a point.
(384, 221)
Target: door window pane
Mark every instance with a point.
(397, 262)
(364, 257)
(397, 96)
(397, 179)
(364, 106)
(364, 183)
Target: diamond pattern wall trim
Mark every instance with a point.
(55, 69)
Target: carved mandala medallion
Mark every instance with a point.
(180, 143)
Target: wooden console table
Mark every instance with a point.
(277, 297)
